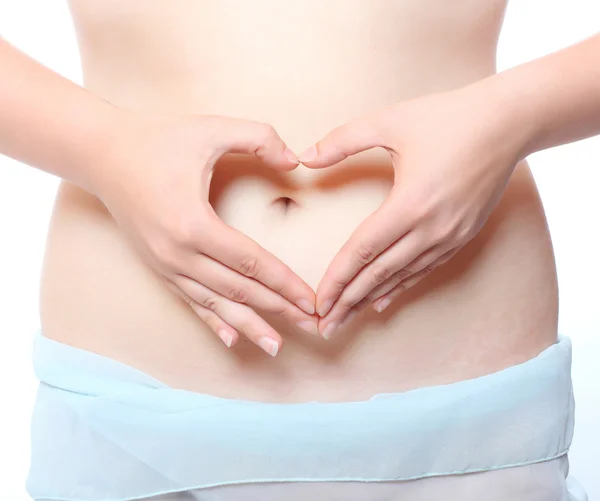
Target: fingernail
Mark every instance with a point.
(383, 304)
(291, 156)
(269, 345)
(309, 155)
(306, 306)
(308, 326)
(324, 307)
(329, 330)
(226, 337)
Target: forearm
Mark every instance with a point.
(49, 122)
(552, 100)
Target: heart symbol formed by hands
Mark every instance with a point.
(452, 156)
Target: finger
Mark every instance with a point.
(241, 289)
(243, 255)
(373, 236)
(358, 135)
(241, 317)
(423, 265)
(384, 302)
(383, 298)
(228, 334)
(349, 317)
(329, 329)
(418, 268)
(392, 260)
(260, 139)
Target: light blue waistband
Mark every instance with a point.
(105, 431)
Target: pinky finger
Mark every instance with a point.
(226, 333)
(384, 301)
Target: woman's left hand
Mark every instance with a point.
(453, 153)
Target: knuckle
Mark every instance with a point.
(210, 302)
(402, 274)
(413, 281)
(399, 289)
(279, 308)
(464, 233)
(417, 208)
(250, 266)
(427, 207)
(238, 294)
(338, 284)
(446, 257)
(380, 274)
(280, 312)
(428, 269)
(365, 253)
(266, 131)
(335, 284)
(278, 281)
(189, 232)
(187, 299)
(445, 231)
(418, 215)
(277, 287)
(183, 231)
(206, 316)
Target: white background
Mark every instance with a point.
(568, 178)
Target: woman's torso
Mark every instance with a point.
(305, 67)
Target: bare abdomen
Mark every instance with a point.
(493, 305)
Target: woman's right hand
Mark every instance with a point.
(154, 177)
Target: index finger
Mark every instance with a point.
(373, 236)
(355, 136)
(242, 254)
(257, 138)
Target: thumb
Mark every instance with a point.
(255, 138)
(358, 135)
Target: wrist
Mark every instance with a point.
(103, 132)
(504, 97)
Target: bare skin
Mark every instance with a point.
(494, 304)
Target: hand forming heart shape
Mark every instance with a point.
(149, 179)
(453, 153)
